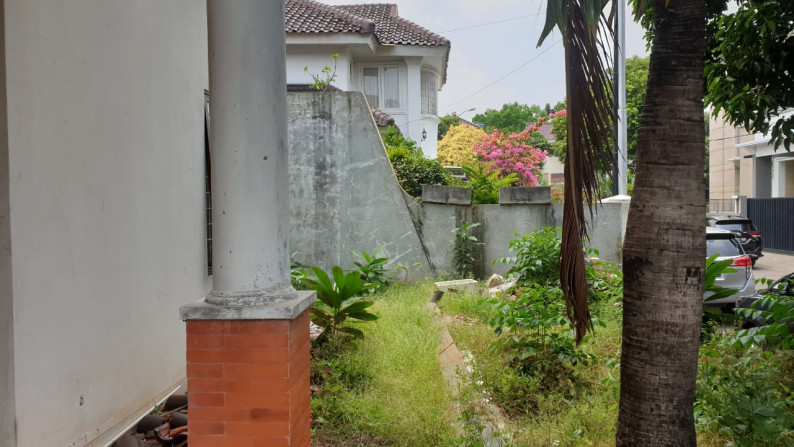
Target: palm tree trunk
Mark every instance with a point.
(665, 248)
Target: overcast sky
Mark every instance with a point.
(500, 60)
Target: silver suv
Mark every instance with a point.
(724, 243)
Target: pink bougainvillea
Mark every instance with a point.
(512, 153)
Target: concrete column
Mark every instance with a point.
(249, 149)
(248, 340)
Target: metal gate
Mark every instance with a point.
(774, 218)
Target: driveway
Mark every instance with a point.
(773, 266)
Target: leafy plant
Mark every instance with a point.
(411, 168)
(325, 77)
(537, 257)
(536, 340)
(463, 249)
(485, 183)
(373, 269)
(297, 271)
(775, 311)
(338, 301)
(512, 154)
(745, 397)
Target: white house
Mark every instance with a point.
(397, 64)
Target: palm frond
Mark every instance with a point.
(591, 116)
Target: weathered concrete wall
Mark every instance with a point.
(105, 117)
(343, 193)
(7, 402)
(497, 222)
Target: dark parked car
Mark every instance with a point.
(726, 246)
(746, 233)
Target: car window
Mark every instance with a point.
(732, 226)
(722, 247)
(784, 287)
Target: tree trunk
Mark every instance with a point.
(665, 248)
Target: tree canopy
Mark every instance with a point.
(512, 118)
(445, 122)
(456, 148)
(750, 65)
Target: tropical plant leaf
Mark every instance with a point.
(357, 307)
(591, 115)
(352, 331)
(364, 316)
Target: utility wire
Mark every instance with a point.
(490, 23)
(505, 76)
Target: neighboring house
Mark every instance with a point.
(741, 164)
(397, 64)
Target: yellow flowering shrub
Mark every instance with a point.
(456, 148)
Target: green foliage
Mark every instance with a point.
(463, 249)
(537, 342)
(337, 301)
(512, 118)
(373, 269)
(714, 269)
(559, 128)
(410, 167)
(537, 257)
(748, 73)
(445, 122)
(776, 311)
(323, 79)
(297, 271)
(745, 396)
(485, 184)
(636, 82)
(457, 146)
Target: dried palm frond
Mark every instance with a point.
(591, 115)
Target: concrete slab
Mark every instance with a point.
(458, 285)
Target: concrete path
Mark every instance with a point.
(773, 266)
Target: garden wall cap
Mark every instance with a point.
(523, 194)
(446, 194)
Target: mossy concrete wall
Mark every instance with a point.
(343, 192)
(344, 196)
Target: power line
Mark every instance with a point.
(490, 23)
(505, 76)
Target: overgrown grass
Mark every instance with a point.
(583, 417)
(399, 397)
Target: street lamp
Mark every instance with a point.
(467, 110)
(424, 134)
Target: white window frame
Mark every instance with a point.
(382, 87)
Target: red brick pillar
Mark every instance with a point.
(248, 382)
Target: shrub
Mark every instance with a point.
(410, 167)
(744, 396)
(337, 301)
(456, 148)
(373, 269)
(538, 343)
(463, 250)
(485, 183)
(537, 257)
(511, 154)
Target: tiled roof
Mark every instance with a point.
(392, 29)
(381, 119)
(309, 16)
(545, 130)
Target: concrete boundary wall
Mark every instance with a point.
(344, 196)
(497, 222)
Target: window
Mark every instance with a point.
(429, 93)
(382, 87)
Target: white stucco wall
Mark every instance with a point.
(106, 154)
(316, 57)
